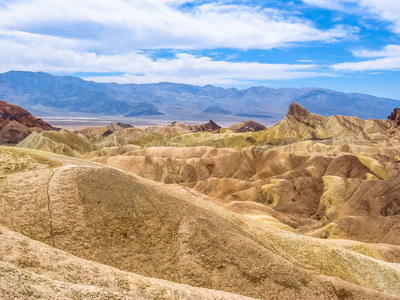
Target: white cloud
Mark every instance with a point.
(381, 64)
(386, 10)
(387, 59)
(64, 56)
(203, 70)
(109, 36)
(388, 51)
(140, 24)
(335, 5)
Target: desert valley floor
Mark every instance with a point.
(308, 208)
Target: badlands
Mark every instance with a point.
(306, 209)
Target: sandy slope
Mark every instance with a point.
(115, 218)
(33, 270)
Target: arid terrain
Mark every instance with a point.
(308, 208)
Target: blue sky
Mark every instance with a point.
(345, 45)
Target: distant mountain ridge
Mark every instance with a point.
(44, 95)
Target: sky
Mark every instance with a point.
(344, 45)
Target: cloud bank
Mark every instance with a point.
(118, 36)
(126, 37)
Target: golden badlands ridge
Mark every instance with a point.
(306, 209)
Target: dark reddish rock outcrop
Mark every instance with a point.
(210, 126)
(395, 117)
(15, 113)
(16, 123)
(247, 126)
(298, 112)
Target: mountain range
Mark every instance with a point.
(46, 95)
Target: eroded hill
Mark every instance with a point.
(33, 270)
(16, 123)
(137, 225)
(328, 177)
(307, 208)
